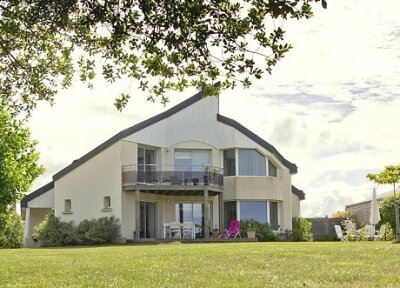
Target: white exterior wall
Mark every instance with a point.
(197, 123)
(46, 200)
(196, 127)
(295, 206)
(88, 184)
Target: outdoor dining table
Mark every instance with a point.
(182, 225)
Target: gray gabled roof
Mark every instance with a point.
(36, 193)
(299, 193)
(135, 128)
(230, 122)
(127, 132)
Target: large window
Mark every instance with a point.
(256, 210)
(251, 163)
(192, 160)
(229, 163)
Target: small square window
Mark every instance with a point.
(67, 206)
(107, 202)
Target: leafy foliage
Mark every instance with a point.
(389, 175)
(18, 160)
(341, 214)
(389, 232)
(263, 231)
(52, 232)
(98, 231)
(11, 232)
(301, 230)
(176, 43)
(386, 209)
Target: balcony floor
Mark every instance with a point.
(174, 190)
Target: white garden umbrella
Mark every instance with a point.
(374, 217)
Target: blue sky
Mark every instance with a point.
(331, 106)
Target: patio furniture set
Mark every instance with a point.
(353, 234)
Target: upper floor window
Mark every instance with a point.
(192, 160)
(272, 170)
(145, 157)
(229, 162)
(251, 163)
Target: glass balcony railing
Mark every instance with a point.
(204, 175)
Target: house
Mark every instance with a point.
(187, 164)
(360, 211)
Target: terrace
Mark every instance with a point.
(175, 177)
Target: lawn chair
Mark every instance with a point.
(381, 234)
(369, 232)
(233, 231)
(175, 230)
(339, 233)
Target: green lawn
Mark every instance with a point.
(333, 264)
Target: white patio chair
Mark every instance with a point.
(369, 232)
(175, 230)
(381, 233)
(339, 233)
(187, 230)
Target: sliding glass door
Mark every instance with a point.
(193, 212)
(148, 216)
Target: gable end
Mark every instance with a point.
(36, 193)
(230, 122)
(127, 132)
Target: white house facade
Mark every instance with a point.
(188, 164)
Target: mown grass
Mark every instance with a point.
(333, 264)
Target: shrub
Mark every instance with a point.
(389, 232)
(98, 231)
(386, 209)
(301, 230)
(53, 232)
(263, 231)
(11, 230)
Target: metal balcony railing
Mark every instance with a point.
(204, 175)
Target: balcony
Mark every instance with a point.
(172, 175)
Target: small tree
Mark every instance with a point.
(11, 232)
(18, 161)
(341, 214)
(301, 231)
(387, 211)
(389, 175)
